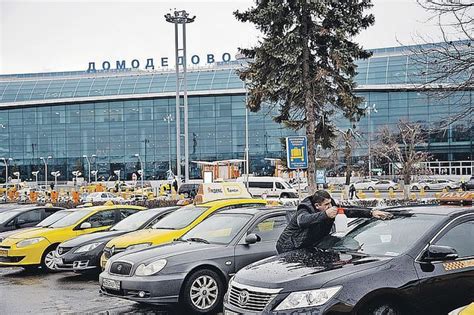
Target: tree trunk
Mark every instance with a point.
(406, 181)
(310, 115)
(348, 158)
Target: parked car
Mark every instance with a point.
(25, 217)
(188, 190)
(269, 186)
(103, 197)
(470, 184)
(463, 310)
(45, 223)
(37, 247)
(383, 185)
(419, 262)
(195, 269)
(173, 226)
(436, 184)
(82, 254)
(364, 184)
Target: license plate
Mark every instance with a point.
(227, 312)
(3, 253)
(111, 284)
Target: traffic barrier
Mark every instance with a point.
(377, 194)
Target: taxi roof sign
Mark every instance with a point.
(217, 191)
(456, 198)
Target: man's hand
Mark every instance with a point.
(382, 215)
(331, 212)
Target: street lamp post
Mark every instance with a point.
(17, 174)
(89, 164)
(45, 160)
(94, 172)
(56, 175)
(35, 174)
(6, 168)
(168, 118)
(181, 18)
(76, 175)
(369, 109)
(142, 174)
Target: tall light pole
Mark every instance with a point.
(6, 168)
(369, 109)
(76, 175)
(35, 174)
(94, 172)
(181, 18)
(89, 164)
(142, 174)
(168, 118)
(56, 175)
(45, 160)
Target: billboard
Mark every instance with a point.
(297, 152)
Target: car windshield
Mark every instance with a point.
(218, 229)
(7, 216)
(180, 218)
(382, 237)
(135, 221)
(70, 219)
(54, 218)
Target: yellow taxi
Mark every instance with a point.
(37, 247)
(173, 225)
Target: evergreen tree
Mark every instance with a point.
(304, 64)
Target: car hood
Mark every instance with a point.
(40, 232)
(304, 269)
(91, 238)
(154, 236)
(181, 252)
(12, 232)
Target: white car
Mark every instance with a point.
(435, 184)
(364, 184)
(103, 197)
(384, 185)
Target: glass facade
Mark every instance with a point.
(111, 116)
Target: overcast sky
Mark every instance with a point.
(64, 35)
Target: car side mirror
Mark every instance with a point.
(85, 225)
(252, 239)
(439, 253)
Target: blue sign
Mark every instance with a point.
(320, 176)
(297, 152)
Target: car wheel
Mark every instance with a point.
(427, 188)
(284, 196)
(370, 188)
(48, 262)
(203, 292)
(414, 188)
(381, 308)
(448, 187)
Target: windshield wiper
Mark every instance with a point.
(180, 239)
(197, 239)
(350, 251)
(164, 228)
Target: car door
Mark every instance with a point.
(446, 285)
(268, 228)
(99, 221)
(28, 219)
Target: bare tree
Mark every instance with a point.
(349, 139)
(403, 148)
(448, 65)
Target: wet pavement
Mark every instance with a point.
(27, 292)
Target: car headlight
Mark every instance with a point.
(29, 242)
(150, 269)
(88, 247)
(139, 246)
(307, 298)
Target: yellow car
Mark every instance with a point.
(172, 226)
(37, 247)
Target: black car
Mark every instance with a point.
(419, 262)
(188, 190)
(470, 183)
(83, 253)
(195, 269)
(24, 217)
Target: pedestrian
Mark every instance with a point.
(314, 219)
(175, 184)
(463, 184)
(352, 191)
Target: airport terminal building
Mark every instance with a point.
(110, 116)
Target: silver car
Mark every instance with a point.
(195, 269)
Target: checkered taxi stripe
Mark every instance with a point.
(458, 265)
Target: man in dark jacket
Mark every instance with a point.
(313, 220)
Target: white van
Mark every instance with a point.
(270, 186)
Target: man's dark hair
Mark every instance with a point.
(319, 196)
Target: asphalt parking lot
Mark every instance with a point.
(23, 292)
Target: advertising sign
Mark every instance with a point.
(297, 152)
(320, 176)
